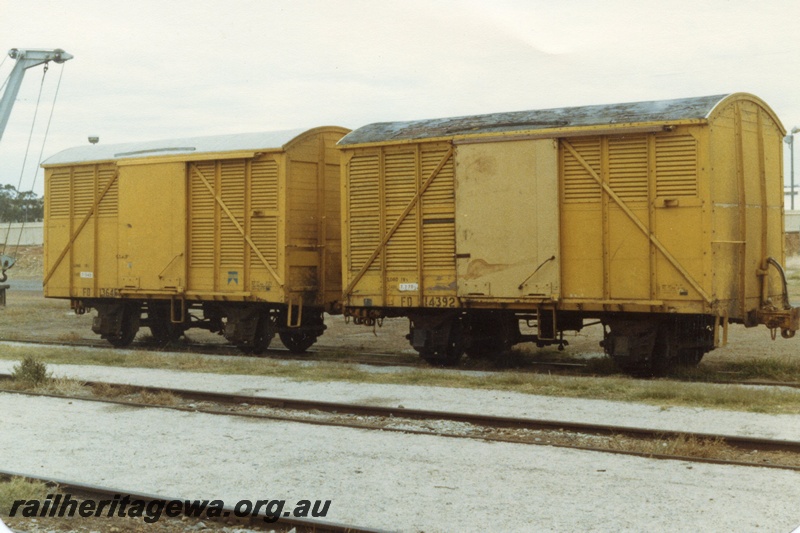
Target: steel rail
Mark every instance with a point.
(489, 421)
(364, 358)
(282, 354)
(228, 513)
(226, 350)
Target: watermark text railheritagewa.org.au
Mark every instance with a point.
(64, 505)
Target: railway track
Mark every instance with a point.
(228, 513)
(318, 353)
(330, 354)
(731, 449)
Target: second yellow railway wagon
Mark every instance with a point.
(664, 220)
(238, 234)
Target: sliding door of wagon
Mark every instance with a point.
(151, 226)
(507, 222)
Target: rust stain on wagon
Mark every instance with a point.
(479, 268)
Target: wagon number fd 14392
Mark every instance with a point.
(440, 301)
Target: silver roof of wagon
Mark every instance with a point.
(190, 145)
(540, 119)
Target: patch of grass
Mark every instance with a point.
(665, 393)
(27, 315)
(761, 368)
(30, 372)
(682, 445)
(32, 375)
(158, 398)
(69, 337)
(20, 489)
(601, 366)
(62, 386)
(104, 390)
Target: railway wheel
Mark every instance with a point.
(664, 353)
(265, 331)
(690, 356)
(166, 332)
(484, 349)
(638, 347)
(651, 348)
(129, 327)
(300, 339)
(450, 353)
(162, 328)
(297, 341)
(490, 335)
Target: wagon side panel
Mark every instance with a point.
(682, 279)
(265, 256)
(634, 234)
(202, 226)
(233, 232)
(57, 223)
(582, 221)
(437, 236)
(361, 206)
(107, 244)
(81, 231)
(400, 226)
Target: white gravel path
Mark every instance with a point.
(498, 403)
(392, 481)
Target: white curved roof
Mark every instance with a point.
(191, 145)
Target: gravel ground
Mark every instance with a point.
(784, 426)
(398, 482)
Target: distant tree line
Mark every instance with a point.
(18, 206)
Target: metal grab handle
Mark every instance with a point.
(773, 262)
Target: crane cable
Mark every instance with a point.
(3, 62)
(5, 264)
(41, 151)
(27, 150)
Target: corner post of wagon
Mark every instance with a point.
(662, 220)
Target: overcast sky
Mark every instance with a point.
(146, 70)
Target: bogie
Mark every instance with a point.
(439, 339)
(117, 322)
(650, 345)
(162, 326)
(249, 327)
(442, 338)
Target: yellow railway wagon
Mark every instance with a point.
(664, 220)
(238, 234)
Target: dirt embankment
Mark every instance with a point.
(29, 261)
